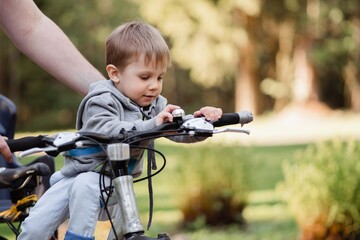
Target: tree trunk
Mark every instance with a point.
(352, 85)
(304, 87)
(245, 85)
(284, 64)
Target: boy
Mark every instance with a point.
(137, 58)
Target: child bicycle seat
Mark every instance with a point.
(14, 178)
(22, 182)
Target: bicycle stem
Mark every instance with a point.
(127, 222)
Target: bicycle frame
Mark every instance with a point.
(127, 223)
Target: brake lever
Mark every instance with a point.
(37, 150)
(197, 124)
(237, 130)
(65, 138)
(54, 142)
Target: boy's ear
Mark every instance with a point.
(113, 73)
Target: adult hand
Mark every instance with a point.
(210, 113)
(5, 150)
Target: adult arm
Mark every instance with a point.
(45, 43)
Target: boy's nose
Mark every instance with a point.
(154, 84)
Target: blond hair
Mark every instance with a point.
(128, 41)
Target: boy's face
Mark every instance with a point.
(140, 82)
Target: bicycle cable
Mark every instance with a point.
(138, 135)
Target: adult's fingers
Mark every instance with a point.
(5, 150)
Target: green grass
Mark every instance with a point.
(266, 215)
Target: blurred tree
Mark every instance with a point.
(289, 78)
(207, 39)
(266, 53)
(321, 62)
(336, 53)
(288, 49)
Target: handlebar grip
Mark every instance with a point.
(242, 117)
(25, 143)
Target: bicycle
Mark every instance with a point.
(127, 224)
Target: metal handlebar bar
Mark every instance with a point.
(182, 125)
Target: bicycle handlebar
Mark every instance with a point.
(24, 143)
(182, 125)
(234, 118)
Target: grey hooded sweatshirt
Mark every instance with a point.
(106, 110)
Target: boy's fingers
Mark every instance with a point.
(170, 108)
(169, 117)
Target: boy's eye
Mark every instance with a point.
(144, 77)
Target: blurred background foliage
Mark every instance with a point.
(257, 55)
(321, 188)
(212, 192)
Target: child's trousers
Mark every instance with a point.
(76, 198)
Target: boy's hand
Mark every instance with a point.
(210, 113)
(4, 150)
(165, 115)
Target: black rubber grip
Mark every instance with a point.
(242, 117)
(25, 143)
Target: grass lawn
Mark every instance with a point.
(266, 215)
